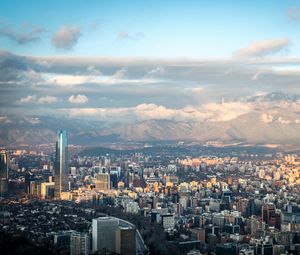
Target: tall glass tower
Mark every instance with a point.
(61, 167)
(4, 161)
(4, 165)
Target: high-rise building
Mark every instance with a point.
(61, 167)
(268, 211)
(104, 234)
(102, 181)
(4, 161)
(125, 240)
(80, 244)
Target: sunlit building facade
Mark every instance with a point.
(4, 161)
(61, 164)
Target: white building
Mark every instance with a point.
(132, 207)
(168, 221)
(80, 244)
(104, 233)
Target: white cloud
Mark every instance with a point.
(156, 72)
(47, 100)
(263, 48)
(91, 70)
(28, 99)
(94, 77)
(66, 38)
(79, 99)
(66, 79)
(266, 118)
(281, 120)
(33, 99)
(5, 120)
(120, 74)
(208, 112)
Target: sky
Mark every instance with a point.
(188, 60)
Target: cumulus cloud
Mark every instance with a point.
(66, 38)
(263, 48)
(47, 100)
(266, 118)
(28, 99)
(79, 99)
(283, 121)
(22, 35)
(33, 99)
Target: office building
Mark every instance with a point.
(102, 182)
(80, 244)
(125, 240)
(104, 234)
(61, 168)
(268, 212)
(4, 161)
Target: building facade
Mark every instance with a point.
(61, 166)
(104, 234)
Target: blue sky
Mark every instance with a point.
(198, 29)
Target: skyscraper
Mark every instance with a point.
(61, 167)
(104, 233)
(268, 211)
(4, 159)
(80, 244)
(102, 181)
(125, 240)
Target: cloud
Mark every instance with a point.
(91, 70)
(266, 118)
(5, 120)
(29, 99)
(158, 71)
(294, 13)
(79, 99)
(33, 99)
(208, 112)
(122, 35)
(66, 38)
(283, 121)
(47, 100)
(22, 35)
(173, 83)
(263, 48)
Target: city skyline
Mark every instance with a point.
(150, 127)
